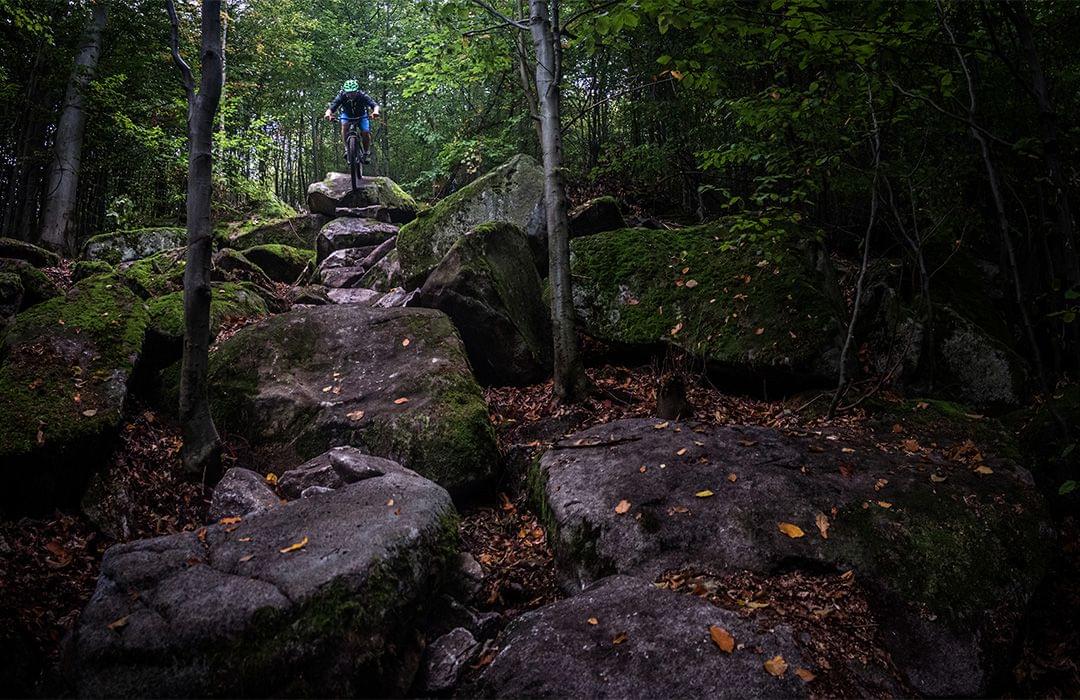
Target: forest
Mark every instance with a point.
(539, 348)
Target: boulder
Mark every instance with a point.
(320, 597)
(490, 289)
(127, 246)
(88, 268)
(363, 297)
(512, 193)
(346, 257)
(646, 642)
(310, 295)
(747, 308)
(21, 286)
(332, 470)
(241, 492)
(377, 212)
(156, 275)
(384, 274)
(302, 382)
(281, 263)
(596, 216)
(396, 298)
(63, 384)
(975, 367)
(336, 191)
(296, 231)
(352, 233)
(445, 660)
(342, 277)
(232, 265)
(21, 250)
(950, 550)
(230, 301)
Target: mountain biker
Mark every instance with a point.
(354, 105)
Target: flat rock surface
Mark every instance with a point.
(362, 297)
(646, 643)
(226, 611)
(335, 192)
(346, 232)
(393, 382)
(939, 544)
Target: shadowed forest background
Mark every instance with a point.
(843, 235)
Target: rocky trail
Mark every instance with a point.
(405, 513)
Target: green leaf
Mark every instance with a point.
(1067, 488)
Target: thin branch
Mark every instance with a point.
(185, 70)
(964, 120)
(500, 16)
(588, 11)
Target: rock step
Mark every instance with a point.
(345, 232)
(335, 192)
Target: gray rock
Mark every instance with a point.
(310, 295)
(512, 193)
(334, 469)
(445, 659)
(232, 265)
(555, 652)
(950, 564)
(341, 277)
(377, 212)
(228, 612)
(126, 246)
(978, 369)
(596, 216)
(346, 232)
(490, 289)
(384, 274)
(396, 298)
(470, 577)
(297, 231)
(346, 257)
(315, 491)
(360, 297)
(241, 492)
(336, 192)
(300, 383)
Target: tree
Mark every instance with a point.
(201, 453)
(57, 226)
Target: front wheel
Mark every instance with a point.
(356, 165)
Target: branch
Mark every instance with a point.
(965, 120)
(579, 15)
(500, 16)
(174, 42)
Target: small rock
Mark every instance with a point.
(364, 297)
(445, 659)
(470, 576)
(342, 277)
(352, 465)
(396, 297)
(241, 492)
(314, 491)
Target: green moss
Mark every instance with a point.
(949, 420)
(737, 302)
(34, 286)
(230, 300)
(21, 250)
(89, 268)
(156, 275)
(296, 231)
(281, 263)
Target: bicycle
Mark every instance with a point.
(354, 153)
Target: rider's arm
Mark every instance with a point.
(369, 103)
(335, 104)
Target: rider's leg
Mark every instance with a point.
(345, 137)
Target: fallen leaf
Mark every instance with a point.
(201, 534)
(390, 502)
(245, 539)
(678, 327)
(405, 343)
(690, 284)
(401, 401)
(355, 415)
(884, 504)
(805, 674)
(983, 469)
(661, 426)
(246, 557)
(911, 445)
(294, 546)
(733, 477)
(759, 331)
(118, 624)
(704, 494)
(642, 469)
(620, 638)
(722, 638)
(593, 621)
(90, 412)
(792, 531)
(897, 428)
(232, 520)
(622, 507)
(681, 452)
(936, 479)
(271, 479)
(776, 665)
(822, 522)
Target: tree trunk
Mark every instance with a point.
(201, 453)
(570, 380)
(57, 226)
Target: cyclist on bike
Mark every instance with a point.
(354, 105)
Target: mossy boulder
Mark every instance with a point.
(66, 365)
(281, 263)
(156, 275)
(297, 231)
(335, 192)
(21, 250)
(302, 382)
(755, 307)
(950, 543)
(232, 265)
(596, 216)
(88, 268)
(165, 332)
(21, 286)
(384, 275)
(512, 193)
(126, 246)
(322, 597)
(489, 287)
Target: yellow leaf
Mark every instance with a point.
(271, 479)
(805, 674)
(401, 401)
(822, 522)
(622, 507)
(620, 638)
(884, 504)
(118, 623)
(792, 531)
(722, 638)
(355, 415)
(661, 426)
(983, 469)
(230, 520)
(390, 502)
(704, 494)
(677, 75)
(294, 546)
(776, 665)
(594, 621)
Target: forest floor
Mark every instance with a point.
(50, 564)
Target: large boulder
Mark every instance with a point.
(490, 289)
(156, 275)
(625, 638)
(975, 367)
(296, 231)
(21, 286)
(126, 246)
(21, 250)
(241, 492)
(385, 274)
(335, 191)
(755, 308)
(232, 265)
(596, 216)
(347, 232)
(394, 383)
(951, 544)
(281, 263)
(63, 382)
(319, 597)
(512, 193)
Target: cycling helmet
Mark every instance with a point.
(350, 86)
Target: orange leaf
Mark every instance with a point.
(792, 531)
(620, 638)
(271, 479)
(622, 507)
(230, 520)
(776, 665)
(805, 674)
(911, 445)
(355, 415)
(118, 624)
(294, 546)
(594, 621)
(401, 401)
(722, 638)
(733, 477)
(822, 522)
